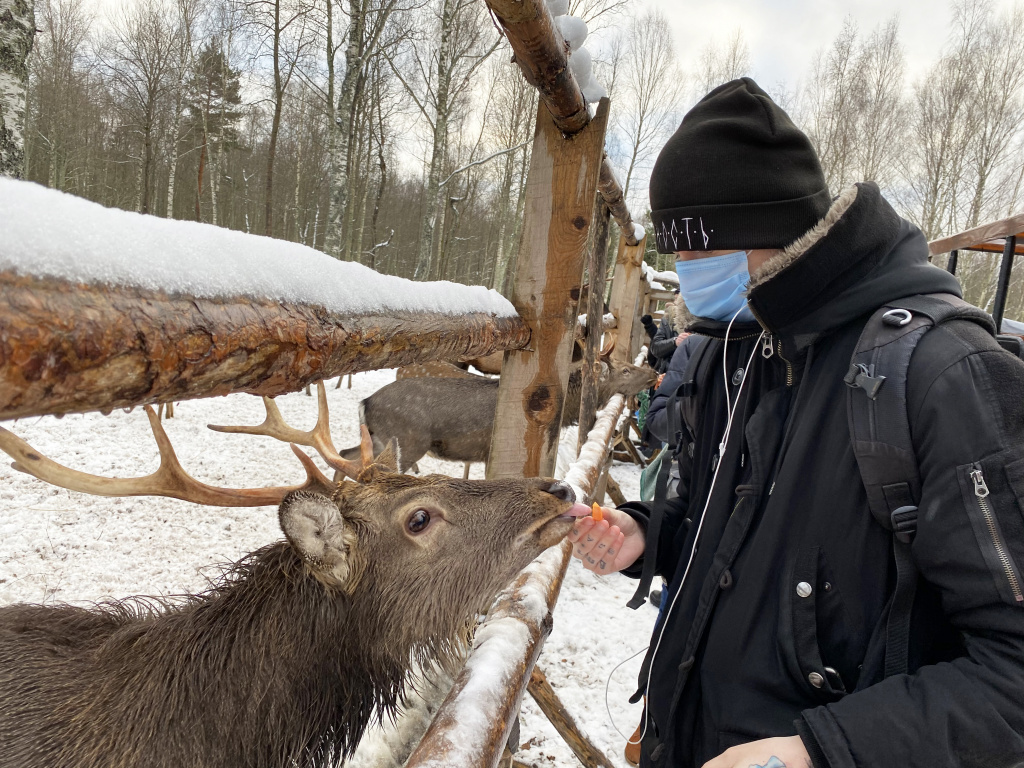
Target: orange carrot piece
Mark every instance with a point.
(596, 512)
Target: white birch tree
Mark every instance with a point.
(17, 29)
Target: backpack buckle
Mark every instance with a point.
(904, 524)
(861, 376)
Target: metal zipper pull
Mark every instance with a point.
(980, 487)
(767, 349)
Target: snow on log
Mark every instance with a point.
(475, 720)
(101, 308)
(540, 51)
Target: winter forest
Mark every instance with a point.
(396, 133)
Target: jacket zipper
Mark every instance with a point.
(981, 492)
(770, 346)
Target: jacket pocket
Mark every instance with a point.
(811, 605)
(1015, 478)
(982, 501)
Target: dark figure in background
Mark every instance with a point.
(651, 330)
(665, 342)
(771, 650)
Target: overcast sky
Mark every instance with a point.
(783, 35)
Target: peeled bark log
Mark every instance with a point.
(509, 641)
(68, 348)
(540, 51)
(552, 707)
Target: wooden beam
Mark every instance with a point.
(982, 238)
(67, 348)
(591, 371)
(560, 193)
(610, 190)
(639, 337)
(541, 53)
(624, 302)
(495, 677)
(542, 692)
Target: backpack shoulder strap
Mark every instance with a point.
(881, 440)
(681, 410)
(697, 369)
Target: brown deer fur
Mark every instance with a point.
(452, 418)
(286, 658)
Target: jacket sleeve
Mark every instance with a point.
(967, 418)
(674, 521)
(664, 342)
(657, 416)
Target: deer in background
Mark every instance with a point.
(287, 657)
(452, 418)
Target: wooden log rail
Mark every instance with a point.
(474, 722)
(988, 237)
(541, 54)
(68, 347)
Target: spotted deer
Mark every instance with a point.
(452, 418)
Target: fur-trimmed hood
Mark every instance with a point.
(860, 255)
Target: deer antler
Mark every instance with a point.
(169, 479)
(319, 437)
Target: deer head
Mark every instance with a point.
(436, 548)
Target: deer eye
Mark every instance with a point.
(418, 521)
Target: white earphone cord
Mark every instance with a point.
(731, 411)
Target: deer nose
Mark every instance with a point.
(561, 491)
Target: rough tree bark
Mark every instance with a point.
(71, 348)
(341, 128)
(439, 142)
(540, 52)
(17, 28)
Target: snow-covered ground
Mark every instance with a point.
(59, 546)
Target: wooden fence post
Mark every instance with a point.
(560, 192)
(624, 303)
(591, 372)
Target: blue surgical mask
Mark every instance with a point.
(715, 287)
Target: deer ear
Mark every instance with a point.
(316, 530)
(387, 461)
(390, 457)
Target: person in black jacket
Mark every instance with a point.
(665, 341)
(770, 651)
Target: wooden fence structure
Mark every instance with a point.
(1005, 237)
(68, 347)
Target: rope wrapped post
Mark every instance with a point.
(474, 722)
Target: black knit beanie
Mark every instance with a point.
(737, 173)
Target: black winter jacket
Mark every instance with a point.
(743, 655)
(663, 345)
(657, 418)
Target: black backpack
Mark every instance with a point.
(879, 433)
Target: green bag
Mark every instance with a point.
(644, 402)
(649, 476)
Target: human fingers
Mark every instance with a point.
(580, 529)
(601, 559)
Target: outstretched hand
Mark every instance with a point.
(610, 545)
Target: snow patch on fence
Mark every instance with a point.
(488, 676)
(47, 233)
(596, 448)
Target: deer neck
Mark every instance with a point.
(275, 656)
